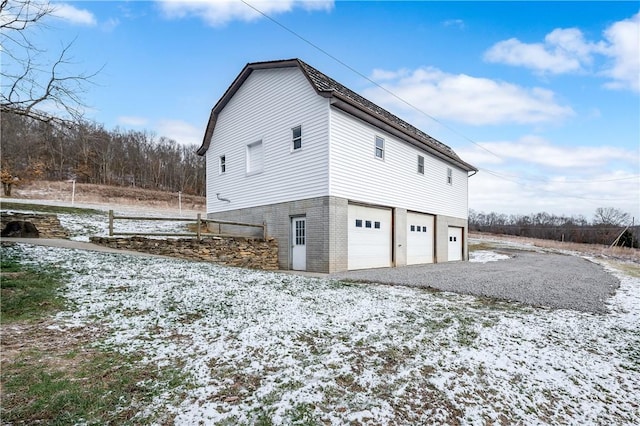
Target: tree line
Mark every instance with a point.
(33, 149)
(607, 225)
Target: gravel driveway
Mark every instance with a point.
(538, 279)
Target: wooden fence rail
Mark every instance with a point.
(199, 226)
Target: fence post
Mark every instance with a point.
(111, 223)
(198, 229)
(264, 230)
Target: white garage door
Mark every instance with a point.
(419, 238)
(369, 238)
(455, 243)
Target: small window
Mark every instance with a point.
(223, 164)
(413, 228)
(418, 228)
(420, 164)
(450, 238)
(358, 223)
(449, 176)
(296, 137)
(376, 225)
(379, 148)
(367, 224)
(424, 229)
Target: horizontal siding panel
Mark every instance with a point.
(266, 107)
(358, 175)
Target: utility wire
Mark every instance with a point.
(315, 46)
(355, 71)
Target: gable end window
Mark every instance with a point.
(449, 176)
(255, 157)
(420, 164)
(379, 148)
(223, 164)
(296, 138)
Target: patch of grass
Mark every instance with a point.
(481, 246)
(95, 387)
(48, 209)
(631, 269)
(27, 292)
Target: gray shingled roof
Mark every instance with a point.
(325, 83)
(328, 87)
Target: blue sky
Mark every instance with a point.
(542, 97)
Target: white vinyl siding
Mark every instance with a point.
(394, 181)
(264, 109)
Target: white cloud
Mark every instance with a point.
(182, 132)
(73, 15)
(565, 50)
(467, 99)
(221, 12)
(458, 23)
(623, 48)
(534, 174)
(517, 194)
(534, 150)
(132, 121)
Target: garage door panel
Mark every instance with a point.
(420, 228)
(369, 238)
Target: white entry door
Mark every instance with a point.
(455, 243)
(299, 244)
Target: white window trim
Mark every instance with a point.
(375, 147)
(247, 158)
(293, 148)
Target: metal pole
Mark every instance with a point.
(180, 201)
(199, 222)
(73, 192)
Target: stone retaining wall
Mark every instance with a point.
(231, 251)
(48, 224)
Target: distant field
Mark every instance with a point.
(104, 194)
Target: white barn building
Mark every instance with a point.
(340, 182)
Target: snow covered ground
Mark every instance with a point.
(271, 348)
(82, 226)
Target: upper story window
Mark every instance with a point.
(255, 157)
(449, 176)
(296, 137)
(223, 164)
(420, 164)
(379, 147)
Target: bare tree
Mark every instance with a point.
(610, 216)
(31, 83)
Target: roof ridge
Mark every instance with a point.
(324, 83)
